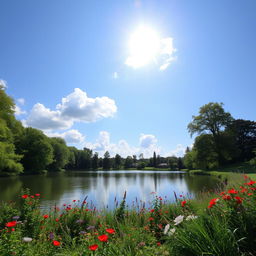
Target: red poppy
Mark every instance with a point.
(213, 202)
(74, 200)
(110, 231)
(46, 216)
(103, 238)
(150, 218)
(250, 194)
(250, 183)
(37, 194)
(239, 200)
(158, 243)
(93, 247)
(152, 210)
(232, 191)
(24, 196)
(57, 219)
(11, 224)
(56, 243)
(226, 197)
(183, 203)
(32, 196)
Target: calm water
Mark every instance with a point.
(102, 187)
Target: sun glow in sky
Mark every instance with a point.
(144, 46)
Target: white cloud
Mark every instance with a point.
(18, 111)
(3, 84)
(71, 136)
(21, 101)
(147, 140)
(179, 151)
(75, 107)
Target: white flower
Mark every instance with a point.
(191, 217)
(172, 231)
(167, 227)
(178, 220)
(27, 239)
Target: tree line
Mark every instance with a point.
(221, 139)
(29, 150)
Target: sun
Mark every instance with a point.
(144, 46)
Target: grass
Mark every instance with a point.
(217, 224)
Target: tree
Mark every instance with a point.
(95, 161)
(37, 150)
(106, 161)
(212, 118)
(154, 160)
(60, 154)
(244, 136)
(128, 162)
(117, 161)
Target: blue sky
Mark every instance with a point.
(49, 48)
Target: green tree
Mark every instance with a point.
(36, 149)
(212, 118)
(128, 163)
(154, 160)
(117, 161)
(60, 154)
(95, 161)
(106, 161)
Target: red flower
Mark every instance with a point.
(232, 191)
(46, 216)
(158, 243)
(250, 194)
(103, 238)
(250, 183)
(110, 231)
(150, 218)
(183, 203)
(226, 197)
(32, 196)
(56, 243)
(74, 200)
(213, 202)
(56, 219)
(37, 194)
(24, 196)
(93, 247)
(152, 210)
(11, 224)
(239, 200)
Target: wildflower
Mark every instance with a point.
(250, 183)
(172, 231)
(178, 220)
(15, 217)
(90, 227)
(82, 233)
(103, 238)
(226, 197)
(250, 194)
(51, 236)
(56, 243)
(213, 202)
(27, 239)
(24, 196)
(158, 243)
(239, 200)
(232, 191)
(152, 210)
(166, 228)
(191, 217)
(32, 196)
(37, 194)
(11, 224)
(93, 247)
(110, 231)
(74, 201)
(183, 203)
(45, 216)
(150, 218)
(141, 244)
(57, 220)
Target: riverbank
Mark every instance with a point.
(215, 224)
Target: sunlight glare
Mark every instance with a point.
(144, 46)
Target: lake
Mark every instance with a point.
(106, 188)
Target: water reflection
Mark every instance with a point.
(103, 186)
